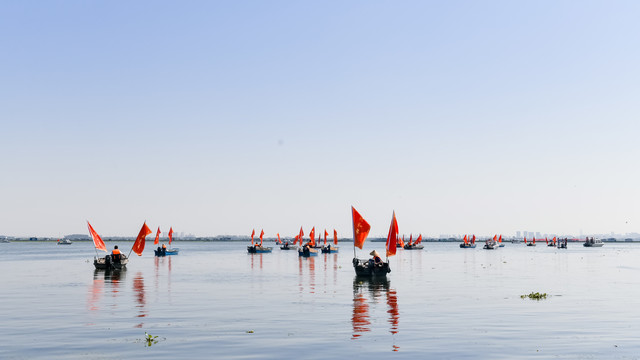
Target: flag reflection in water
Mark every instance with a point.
(366, 295)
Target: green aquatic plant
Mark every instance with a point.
(535, 296)
(149, 339)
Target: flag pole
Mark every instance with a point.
(354, 234)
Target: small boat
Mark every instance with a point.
(257, 249)
(65, 242)
(490, 245)
(531, 244)
(413, 246)
(307, 251)
(329, 249)
(4, 241)
(468, 244)
(164, 251)
(593, 243)
(562, 244)
(374, 267)
(369, 268)
(286, 246)
(111, 262)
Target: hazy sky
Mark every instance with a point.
(217, 117)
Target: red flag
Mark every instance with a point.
(360, 228)
(97, 240)
(325, 237)
(495, 237)
(170, 235)
(155, 242)
(253, 233)
(335, 237)
(138, 246)
(500, 239)
(419, 239)
(261, 235)
(465, 239)
(279, 241)
(473, 239)
(410, 239)
(525, 239)
(312, 235)
(401, 241)
(554, 240)
(534, 240)
(546, 240)
(393, 234)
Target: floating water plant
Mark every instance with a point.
(535, 296)
(149, 339)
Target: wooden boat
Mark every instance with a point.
(65, 242)
(110, 263)
(286, 246)
(369, 269)
(307, 251)
(329, 249)
(531, 244)
(593, 243)
(562, 244)
(257, 249)
(467, 246)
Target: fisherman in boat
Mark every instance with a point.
(116, 255)
(376, 259)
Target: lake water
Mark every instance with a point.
(214, 300)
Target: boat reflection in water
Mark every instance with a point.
(367, 293)
(310, 263)
(139, 293)
(109, 279)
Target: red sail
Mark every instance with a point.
(253, 233)
(325, 237)
(170, 235)
(500, 239)
(97, 240)
(335, 237)
(155, 242)
(138, 246)
(401, 241)
(360, 228)
(312, 235)
(261, 235)
(391, 238)
(465, 239)
(279, 241)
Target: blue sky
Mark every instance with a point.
(220, 117)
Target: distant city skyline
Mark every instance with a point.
(221, 117)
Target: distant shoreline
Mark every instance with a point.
(248, 239)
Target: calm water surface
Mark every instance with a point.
(216, 301)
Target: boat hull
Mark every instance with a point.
(592, 245)
(166, 252)
(106, 263)
(366, 268)
(413, 247)
(329, 250)
(306, 252)
(467, 246)
(258, 249)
